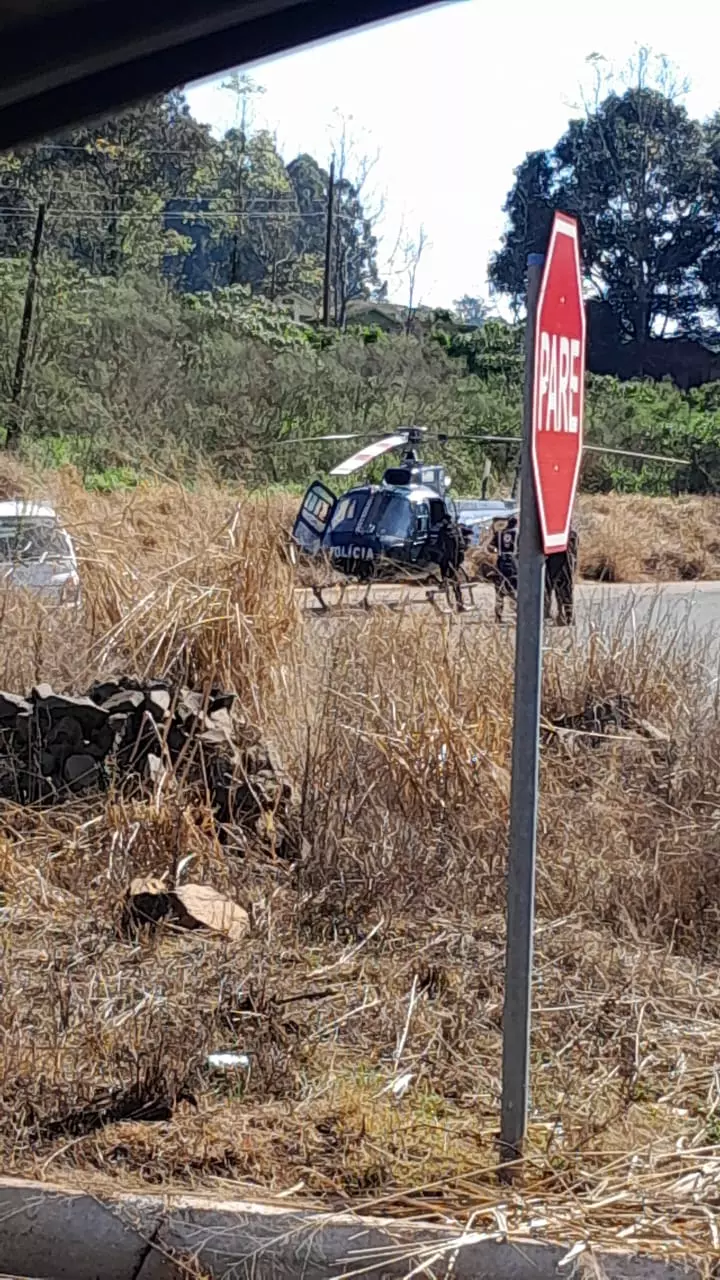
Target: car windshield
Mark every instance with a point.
(27, 539)
(389, 514)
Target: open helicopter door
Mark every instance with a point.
(313, 518)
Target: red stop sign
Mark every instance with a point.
(558, 392)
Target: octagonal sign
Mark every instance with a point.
(559, 382)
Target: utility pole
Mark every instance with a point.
(13, 428)
(524, 785)
(328, 244)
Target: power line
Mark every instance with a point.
(279, 202)
(128, 148)
(200, 215)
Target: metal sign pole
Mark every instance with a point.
(524, 787)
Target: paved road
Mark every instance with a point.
(691, 610)
(692, 605)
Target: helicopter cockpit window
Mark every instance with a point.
(372, 512)
(317, 506)
(421, 517)
(347, 511)
(387, 513)
(396, 520)
(437, 511)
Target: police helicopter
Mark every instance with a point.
(408, 526)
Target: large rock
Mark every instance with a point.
(252, 790)
(53, 742)
(49, 763)
(124, 702)
(11, 705)
(104, 689)
(219, 728)
(189, 906)
(221, 701)
(81, 772)
(190, 704)
(67, 731)
(56, 705)
(105, 739)
(22, 725)
(147, 902)
(158, 702)
(199, 906)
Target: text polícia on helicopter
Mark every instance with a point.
(348, 552)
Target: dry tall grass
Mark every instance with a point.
(626, 538)
(634, 538)
(379, 955)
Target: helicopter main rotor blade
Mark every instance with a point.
(370, 452)
(378, 447)
(447, 437)
(300, 440)
(629, 453)
(587, 448)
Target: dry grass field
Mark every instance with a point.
(639, 539)
(628, 538)
(368, 993)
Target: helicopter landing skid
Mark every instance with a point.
(340, 602)
(457, 598)
(459, 595)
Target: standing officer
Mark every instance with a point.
(504, 543)
(560, 570)
(451, 544)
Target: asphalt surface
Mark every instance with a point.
(688, 610)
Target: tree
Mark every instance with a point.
(151, 190)
(310, 185)
(709, 268)
(228, 182)
(404, 265)
(354, 265)
(472, 311)
(258, 214)
(354, 271)
(638, 173)
(529, 209)
(106, 186)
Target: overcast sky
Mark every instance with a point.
(453, 98)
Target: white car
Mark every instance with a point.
(36, 552)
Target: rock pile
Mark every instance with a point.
(52, 743)
(53, 746)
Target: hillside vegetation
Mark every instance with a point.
(129, 378)
(172, 262)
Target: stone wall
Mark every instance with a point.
(126, 732)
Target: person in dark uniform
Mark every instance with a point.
(452, 551)
(560, 570)
(504, 543)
